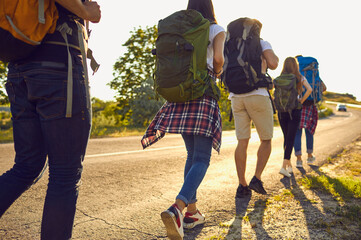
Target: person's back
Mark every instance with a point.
(199, 123)
(309, 114)
(51, 120)
(253, 105)
(288, 101)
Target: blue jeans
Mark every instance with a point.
(309, 142)
(37, 93)
(199, 150)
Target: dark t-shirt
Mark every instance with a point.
(57, 53)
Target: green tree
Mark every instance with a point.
(3, 74)
(134, 68)
(225, 108)
(98, 105)
(145, 105)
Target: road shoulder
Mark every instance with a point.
(322, 203)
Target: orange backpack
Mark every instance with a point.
(23, 25)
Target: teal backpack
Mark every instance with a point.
(181, 57)
(286, 94)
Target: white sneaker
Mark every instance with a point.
(285, 173)
(311, 160)
(190, 221)
(289, 169)
(299, 164)
(173, 221)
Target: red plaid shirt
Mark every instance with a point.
(309, 118)
(196, 117)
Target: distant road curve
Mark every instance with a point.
(347, 104)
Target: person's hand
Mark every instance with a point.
(93, 12)
(218, 75)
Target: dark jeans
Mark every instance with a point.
(289, 125)
(199, 150)
(37, 93)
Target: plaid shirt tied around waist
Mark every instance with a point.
(309, 118)
(197, 117)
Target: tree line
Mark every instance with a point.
(136, 102)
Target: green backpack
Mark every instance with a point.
(286, 94)
(181, 57)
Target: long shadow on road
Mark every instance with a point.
(316, 220)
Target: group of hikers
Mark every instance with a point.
(52, 120)
(240, 58)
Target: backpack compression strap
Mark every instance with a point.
(65, 30)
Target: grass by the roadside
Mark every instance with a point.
(322, 204)
(341, 188)
(6, 136)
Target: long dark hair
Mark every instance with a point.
(205, 7)
(291, 66)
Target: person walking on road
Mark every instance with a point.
(42, 128)
(309, 119)
(199, 123)
(250, 103)
(289, 104)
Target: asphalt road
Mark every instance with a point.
(125, 188)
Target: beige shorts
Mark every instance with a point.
(256, 108)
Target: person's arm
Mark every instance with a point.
(308, 90)
(271, 59)
(86, 10)
(324, 88)
(218, 58)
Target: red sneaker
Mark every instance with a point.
(192, 220)
(173, 221)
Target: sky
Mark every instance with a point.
(328, 30)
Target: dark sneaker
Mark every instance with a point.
(257, 186)
(173, 221)
(192, 220)
(243, 191)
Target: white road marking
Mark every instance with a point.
(226, 140)
(129, 152)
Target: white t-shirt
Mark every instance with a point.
(260, 91)
(214, 29)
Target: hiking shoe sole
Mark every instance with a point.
(171, 226)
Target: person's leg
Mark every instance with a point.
(65, 139)
(242, 123)
(309, 145)
(28, 142)
(284, 120)
(309, 142)
(189, 144)
(201, 158)
(264, 151)
(293, 124)
(240, 156)
(172, 217)
(298, 144)
(261, 113)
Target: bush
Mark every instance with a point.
(5, 120)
